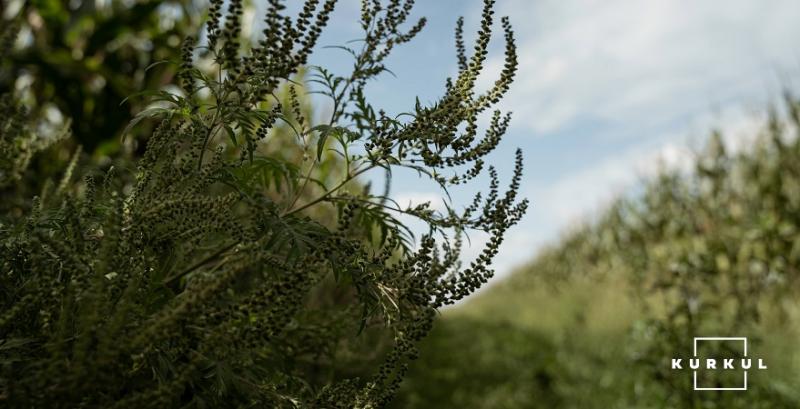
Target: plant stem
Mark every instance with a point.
(328, 193)
(193, 267)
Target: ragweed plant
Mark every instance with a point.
(204, 276)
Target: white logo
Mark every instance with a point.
(713, 364)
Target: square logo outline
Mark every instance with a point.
(694, 353)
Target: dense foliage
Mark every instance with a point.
(215, 271)
(709, 252)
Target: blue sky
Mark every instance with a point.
(607, 91)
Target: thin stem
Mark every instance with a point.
(209, 136)
(328, 193)
(193, 267)
(303, 187)
(213, 125)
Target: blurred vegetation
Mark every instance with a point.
(83, 58)
(71, 65)
(709, 252)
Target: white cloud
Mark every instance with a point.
(643, 62)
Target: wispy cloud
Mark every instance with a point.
(644, 63)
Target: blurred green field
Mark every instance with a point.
(576, 346)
